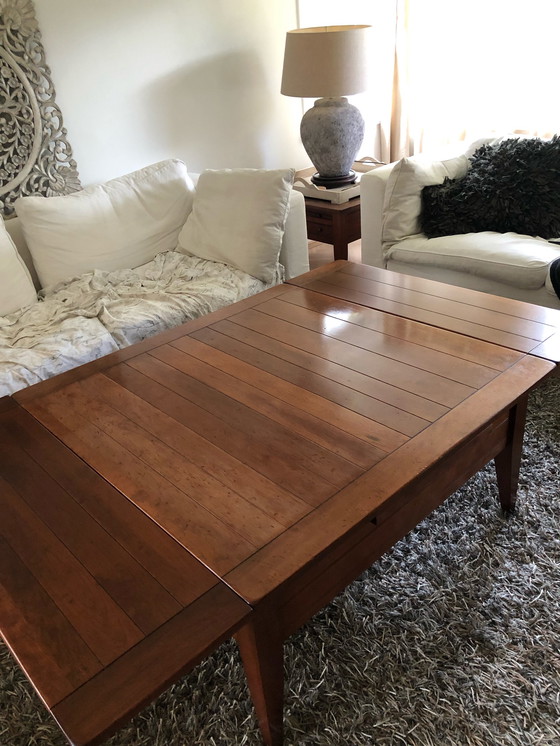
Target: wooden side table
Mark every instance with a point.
(338, 225)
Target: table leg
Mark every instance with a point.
(507, 462)
(262, 653)
(340, 241)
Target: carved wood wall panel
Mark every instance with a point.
(35, 156)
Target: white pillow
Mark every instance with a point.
(238, 218)
(16, 286)
(117, 225)
(403, 194)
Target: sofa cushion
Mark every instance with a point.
(521, 261)
(512, 185)
(16, 286)
(120, 224)
(403, 194)
(238, 218)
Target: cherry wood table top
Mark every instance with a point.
(250, 419)
(254, 439)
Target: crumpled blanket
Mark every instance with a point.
(89, 316)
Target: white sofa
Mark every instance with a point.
(85, 274)
(507, 264)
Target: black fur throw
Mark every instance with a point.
(555, 275)
(511, 186)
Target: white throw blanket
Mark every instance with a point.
(94, 314)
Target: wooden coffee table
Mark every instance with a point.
(276, 448)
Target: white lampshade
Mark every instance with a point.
(325, 61)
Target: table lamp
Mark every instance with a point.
(328, 63)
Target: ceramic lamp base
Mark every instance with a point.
(332, 132)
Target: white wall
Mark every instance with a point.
(142, 80)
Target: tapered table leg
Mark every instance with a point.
(262, 652)
(507, 462)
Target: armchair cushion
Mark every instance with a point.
(520, 261)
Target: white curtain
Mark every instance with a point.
(464, 70)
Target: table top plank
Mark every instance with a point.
(407, 351)
(143, 599)
(176, 570)
(67, 615)
(542, 315)
(420, 382)
(261, 455)
(204, 534)
(427, 316)
(269, 497)
(328, 403)
(46, 645)
(94, 612)
(253, 524)
(549, 349)
(244, 383)
(511, 324)
(216, 391)
(323, 377)
(239, 357)
(477, 351)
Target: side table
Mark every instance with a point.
(338, 225)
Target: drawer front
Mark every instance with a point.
(320, 230)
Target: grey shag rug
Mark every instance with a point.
(451, 639)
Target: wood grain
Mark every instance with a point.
(330, 380)
(98, 619)
(95, 710)
(261, 455)
(101, 608)
(285, 557)
(420, 382)
(143, 599)
(44, 642)
(279, 400)
(512, 324)
(475, 351)
(156, 551)
(195, 527)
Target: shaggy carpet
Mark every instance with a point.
(451, 639)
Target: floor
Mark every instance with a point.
(322, 253)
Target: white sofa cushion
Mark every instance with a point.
(120, 224)
(16, 286)
(238, 218)
(402, 203)
(521, 261)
